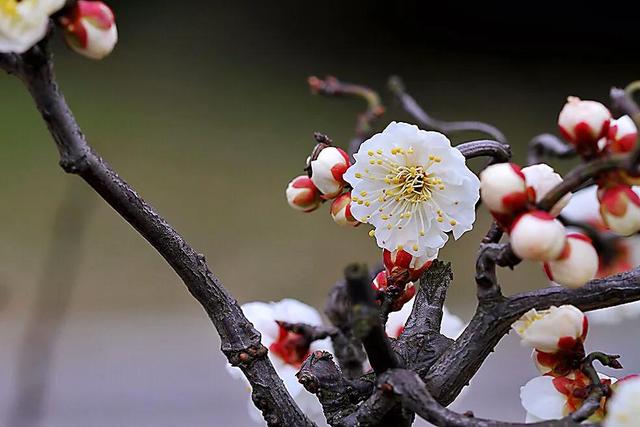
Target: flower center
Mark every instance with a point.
(413, 184)
(291, 347)
(9, 7)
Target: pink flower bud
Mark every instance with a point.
(622, 136)
(503, 188)
(583, 123)
(620, 209)
(558, 328)
(577, 265)
(380, 284)
(327, 171)
(401, 260)
(537, 236)
(90, 29)
(302, 195)
(541, 179)
(341, 211)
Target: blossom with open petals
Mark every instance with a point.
(623, 409)
(413, 187)
(23, 23)
(558, 328)
(287, 350)
(551, 398)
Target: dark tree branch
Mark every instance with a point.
(396, 86)
(622, 103)
(310, 332)
(547, 145)
(421, 342)
(331, 86)
(240, 340)
(366, 319)
(498, 151)
(346, 346)
(459, 363)
(490, 255)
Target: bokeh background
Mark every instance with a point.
(204, 109)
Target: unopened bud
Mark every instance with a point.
(503, 188)
(90, 29)
(303, 195)
(537, 236)
(620, 209)
(583, 123)
(402, 260)
(341, 211)
(622, 135)
(577, 265)
(541, 179)
(327, 171)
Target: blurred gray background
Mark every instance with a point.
(204, 109)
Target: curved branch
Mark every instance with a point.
(396, 86)
(240, 341)
(459, 363)
(498, 151)
(331, 86)
(547, 145)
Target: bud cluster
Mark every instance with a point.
(590, 128)
(511, 194)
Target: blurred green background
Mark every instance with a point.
(204, 109)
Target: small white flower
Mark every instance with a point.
(541, 178)
(537, 236)
(558, 328)
(328, 169)
(413, 187)
(623, 408)
(90, 29)
(551, 398)
(503, 188)
(286, 350)
(451, 326)
(577, 265)
(24, 23)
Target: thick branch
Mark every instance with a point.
(396, 86)
(459, 363)
(239, 339)
(366, 319)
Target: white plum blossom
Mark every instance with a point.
(90, 29)
(286, 350)
(623, 408)
(537, 236)
(551, 398)
(413, 187)
(23, 23)
(452, 326)
(541, 178)
(584, 207)
(553, 329)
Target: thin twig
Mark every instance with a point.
(547, 145)
(396, 86)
